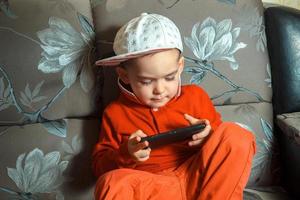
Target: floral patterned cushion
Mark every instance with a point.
(290, 125)
(47, 61)
(47, 75)
(39, 165)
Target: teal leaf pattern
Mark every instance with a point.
(5, 98)
(29, 97)
(69, 51)
(233, 2)
(87, 26)
(37, 173)
(168, 3)
(197, 72)
(211, 41)
(56, 127)
(62, 5)
(209, 67)
(4, 7)
(253, 23)
(267, 147)
(268, 80)
(72, 149)
(8, 97)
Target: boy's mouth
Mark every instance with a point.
(158, 99)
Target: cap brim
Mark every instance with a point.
(116, 60)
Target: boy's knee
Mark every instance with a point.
(237, 138)
(114, 176)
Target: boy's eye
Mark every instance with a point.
(170, 78)
(145, 82)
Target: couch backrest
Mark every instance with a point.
(47, 53)
(44, 47)
(47, 74)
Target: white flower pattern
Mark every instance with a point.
(38, 173)
(69, 51)
(211, 41)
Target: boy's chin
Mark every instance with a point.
(157, 105)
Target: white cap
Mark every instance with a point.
(146, 34)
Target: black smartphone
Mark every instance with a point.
(173, 136)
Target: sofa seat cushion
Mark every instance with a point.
(267, 193)
(37, 164)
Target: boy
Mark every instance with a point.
(214, 164)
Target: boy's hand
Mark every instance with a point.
(137, 150)
(198, 137)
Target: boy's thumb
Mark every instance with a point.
(191, 119)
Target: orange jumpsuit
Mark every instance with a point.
(218, 169)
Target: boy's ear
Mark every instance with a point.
(123, 74)
(181, 64)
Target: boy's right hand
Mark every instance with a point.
(140, 151)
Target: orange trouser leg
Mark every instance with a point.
(221, 169)
(130, 184)
(218, 172)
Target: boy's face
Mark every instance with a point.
(154, 78)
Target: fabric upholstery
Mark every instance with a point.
(36, 164)
(51, 95)
(44, 46)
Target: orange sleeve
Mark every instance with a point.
(111, 150)
(208, 110)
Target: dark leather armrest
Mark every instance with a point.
(283, 40)
(289, 125)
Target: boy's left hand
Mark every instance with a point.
(198, 137)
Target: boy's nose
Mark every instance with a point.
(159, 88)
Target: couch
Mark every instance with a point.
(52, 95)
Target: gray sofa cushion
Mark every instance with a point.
(44, 47)
(37, 164)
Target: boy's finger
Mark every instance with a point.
(194, 120)
(195, 143)
(191, 119)
(134, 140)
(139, 133)
(201, 135)
(141, 145)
